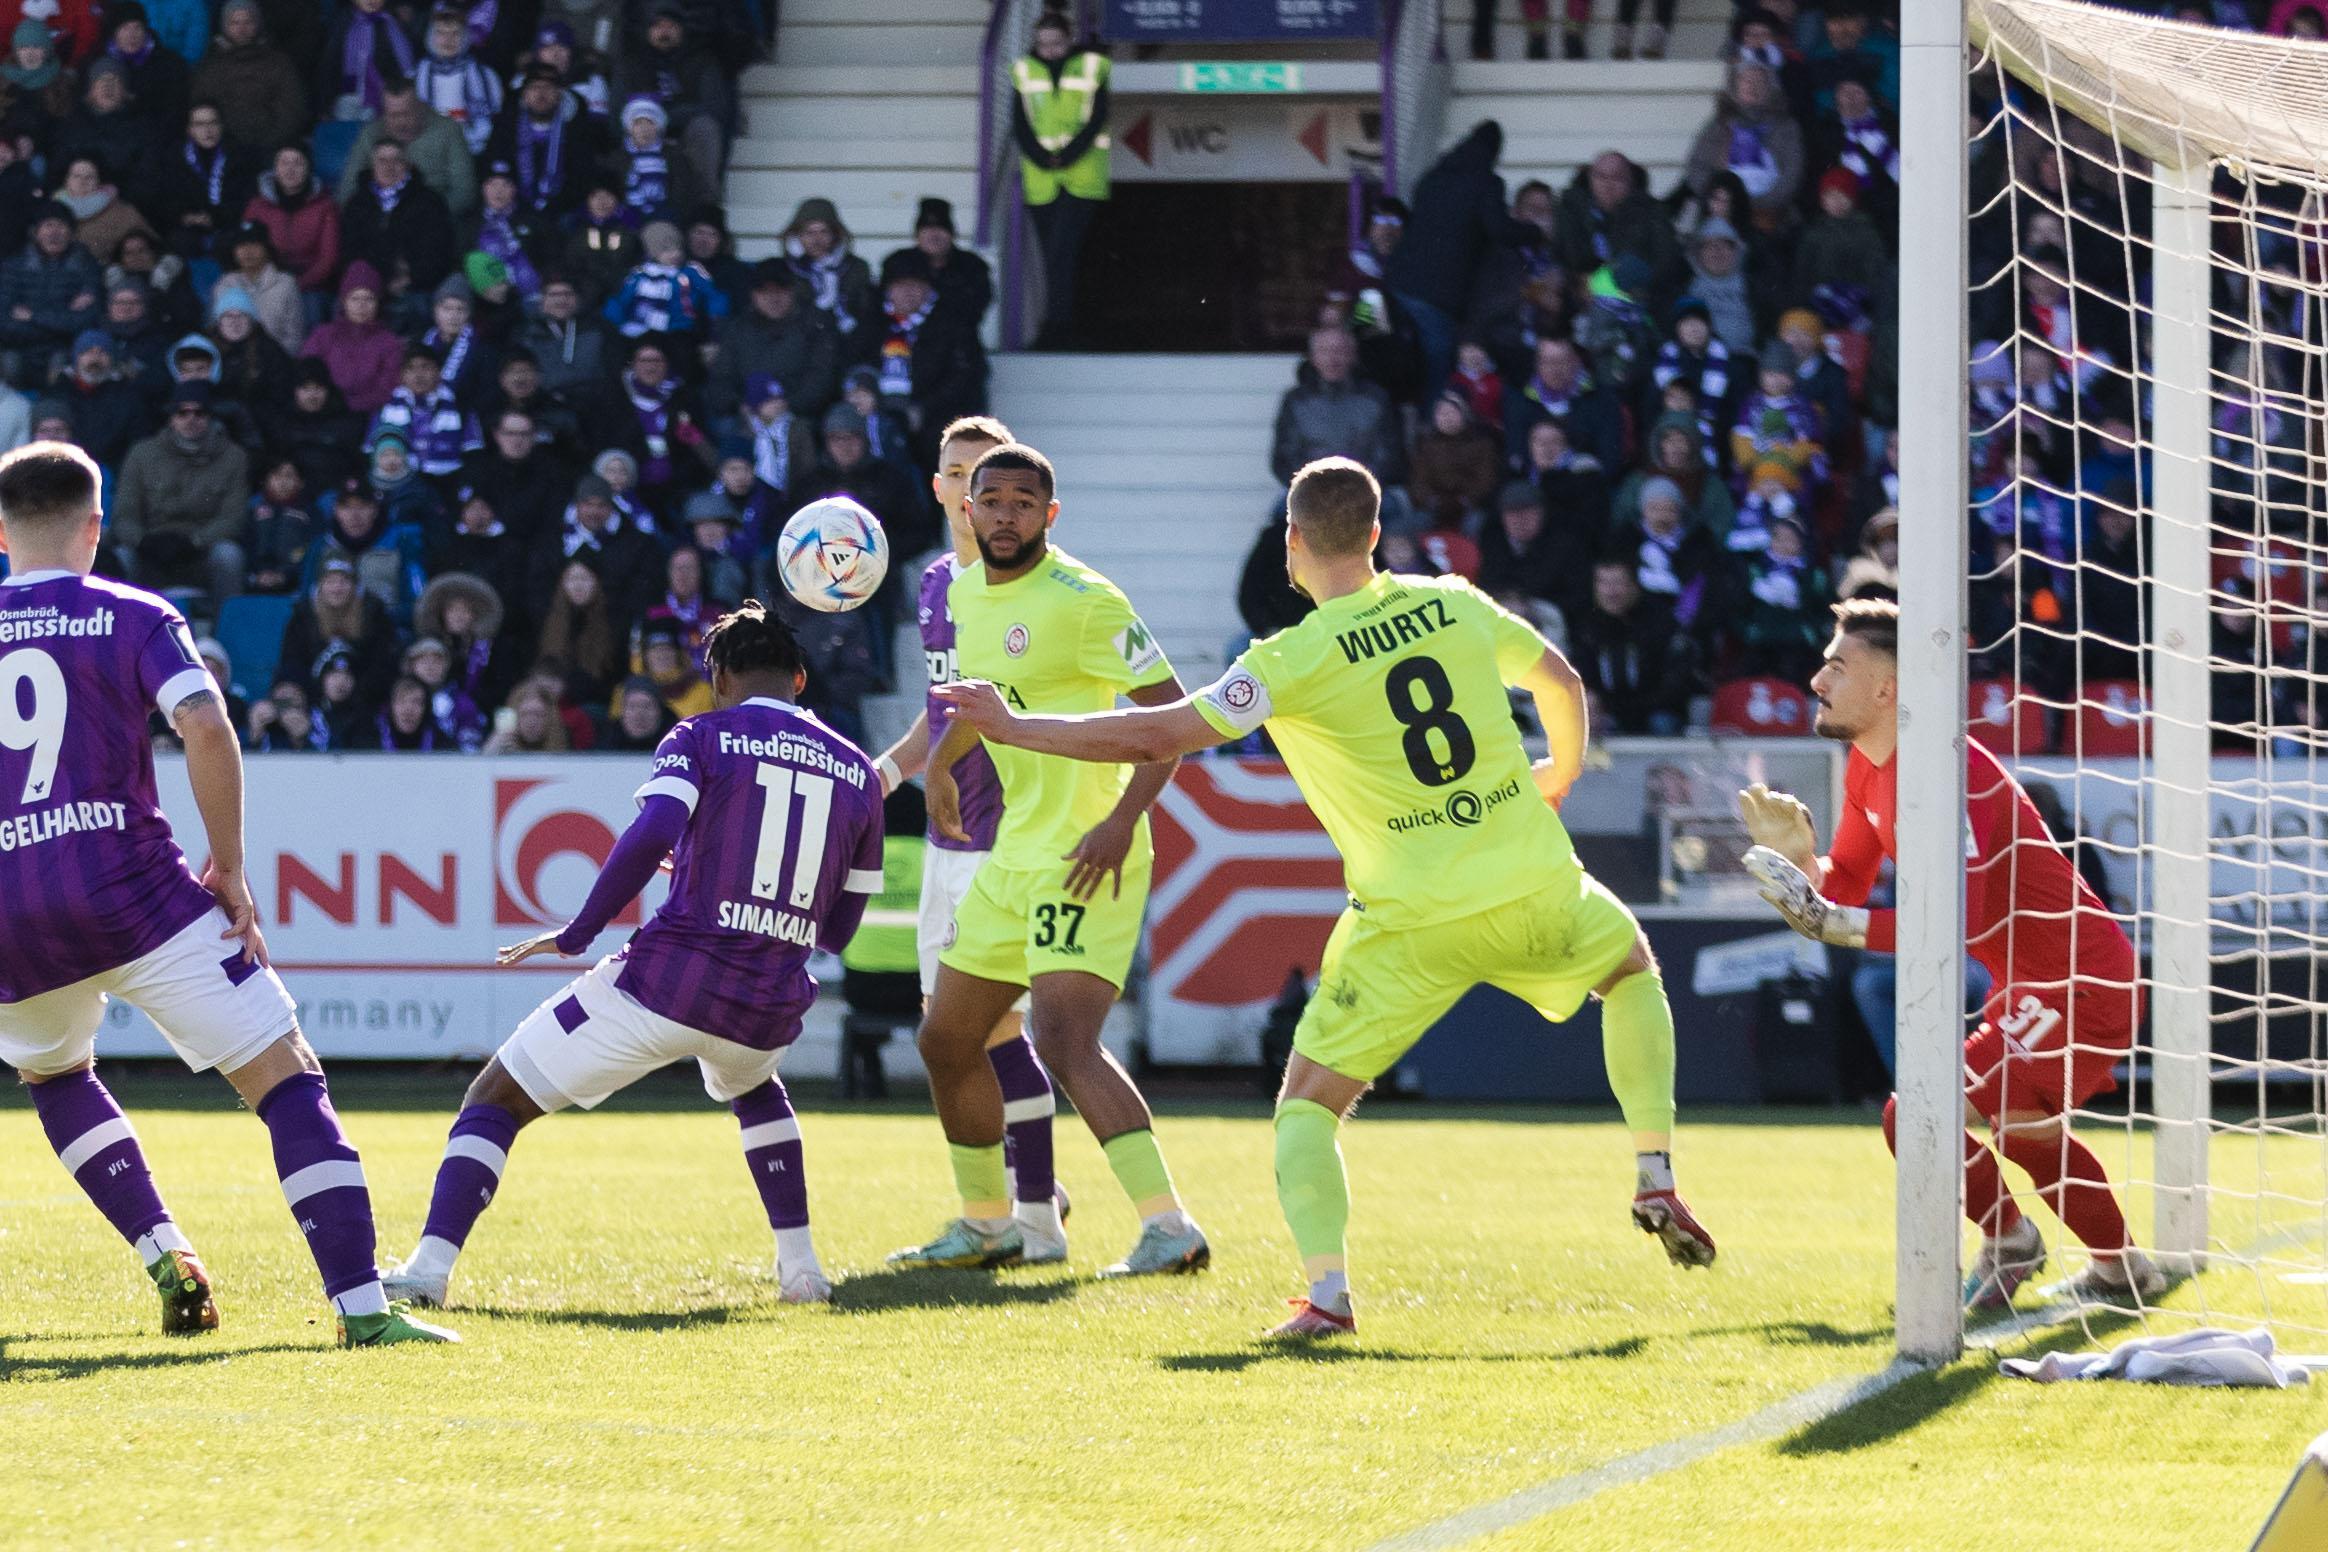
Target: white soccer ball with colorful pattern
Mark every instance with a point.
(833, 554)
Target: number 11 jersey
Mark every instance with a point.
(90, 876)
(1388, 705)
(783, 818)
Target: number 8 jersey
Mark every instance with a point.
(1389, 707)
(90, 876)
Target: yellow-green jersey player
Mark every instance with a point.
(1054, 909)
(1389, 705)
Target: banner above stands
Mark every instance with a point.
(1238, 21)
(1234, 139)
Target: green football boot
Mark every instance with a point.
(398, 1325)
(962, 1243)
(185, 1288)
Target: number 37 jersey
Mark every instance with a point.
(1389, 707)
(90, 877)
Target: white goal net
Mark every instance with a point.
(2147, 496)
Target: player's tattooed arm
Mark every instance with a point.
(193, 704)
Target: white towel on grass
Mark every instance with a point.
(2207, 1356)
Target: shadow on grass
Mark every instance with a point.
(1802, 1333)
(1920, 1398)
(611, 1320)
(15, 1368)
(1238, 1360)
(875, 1293)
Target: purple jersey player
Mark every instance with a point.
(773, 824)
(949, 865)
(96, 901)
(981, 789)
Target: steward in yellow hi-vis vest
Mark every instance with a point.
(1059, 124)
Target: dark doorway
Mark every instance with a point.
(1194, 267)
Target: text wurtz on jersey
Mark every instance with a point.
(1390, 634)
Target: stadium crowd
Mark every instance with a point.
(419, 359)
(1658, 422)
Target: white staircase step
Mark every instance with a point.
(916, 43)
(850, 154)
(871, 79)
(839, 117)
(1144, 373)
(1135, 415)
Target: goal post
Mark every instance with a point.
(2113, 346)
(1929, 820)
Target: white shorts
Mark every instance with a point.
(593, 1039)
(215, 1008)
(946, 877)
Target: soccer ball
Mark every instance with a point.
(833, 554)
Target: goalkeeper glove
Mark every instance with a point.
(1806, 910)
(1779, 821)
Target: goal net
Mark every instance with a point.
(2147, 520)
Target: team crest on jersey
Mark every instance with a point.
(1015, 642)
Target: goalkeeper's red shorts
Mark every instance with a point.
(2050, 1047)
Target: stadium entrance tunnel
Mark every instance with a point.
(1196, 267)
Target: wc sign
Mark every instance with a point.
(1236, 139)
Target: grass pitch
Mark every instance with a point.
(629, 1380)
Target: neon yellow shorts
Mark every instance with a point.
(1018, 923)
(1380, 990)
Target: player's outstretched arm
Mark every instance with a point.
(1558, 691)
(662, 820)
(1142, 735)
(215, 771)
(902, 761)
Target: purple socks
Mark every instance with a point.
(94, 1142)
(772, 1151)
(475, 1155)
(323, 1180)
(771, 1138)
(1027, 1107)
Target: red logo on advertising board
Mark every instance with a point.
(1246, 884)
(532, 830)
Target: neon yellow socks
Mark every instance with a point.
(1637, 1049)
(1139, 1168)
(978, 1177)
(1315, 1194)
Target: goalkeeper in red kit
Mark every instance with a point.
(2066, 998)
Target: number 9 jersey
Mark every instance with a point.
(90, 875)
(1389, 707)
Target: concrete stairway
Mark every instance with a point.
(1700, 28)
(1163, 477)
(873, 106)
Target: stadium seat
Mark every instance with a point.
(2004, 721)
(335, 142)
(2112, 718)
(251, 629)
(1763, 707)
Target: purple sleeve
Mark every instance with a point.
(168, 670)
(662, 820)
(863, 882)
